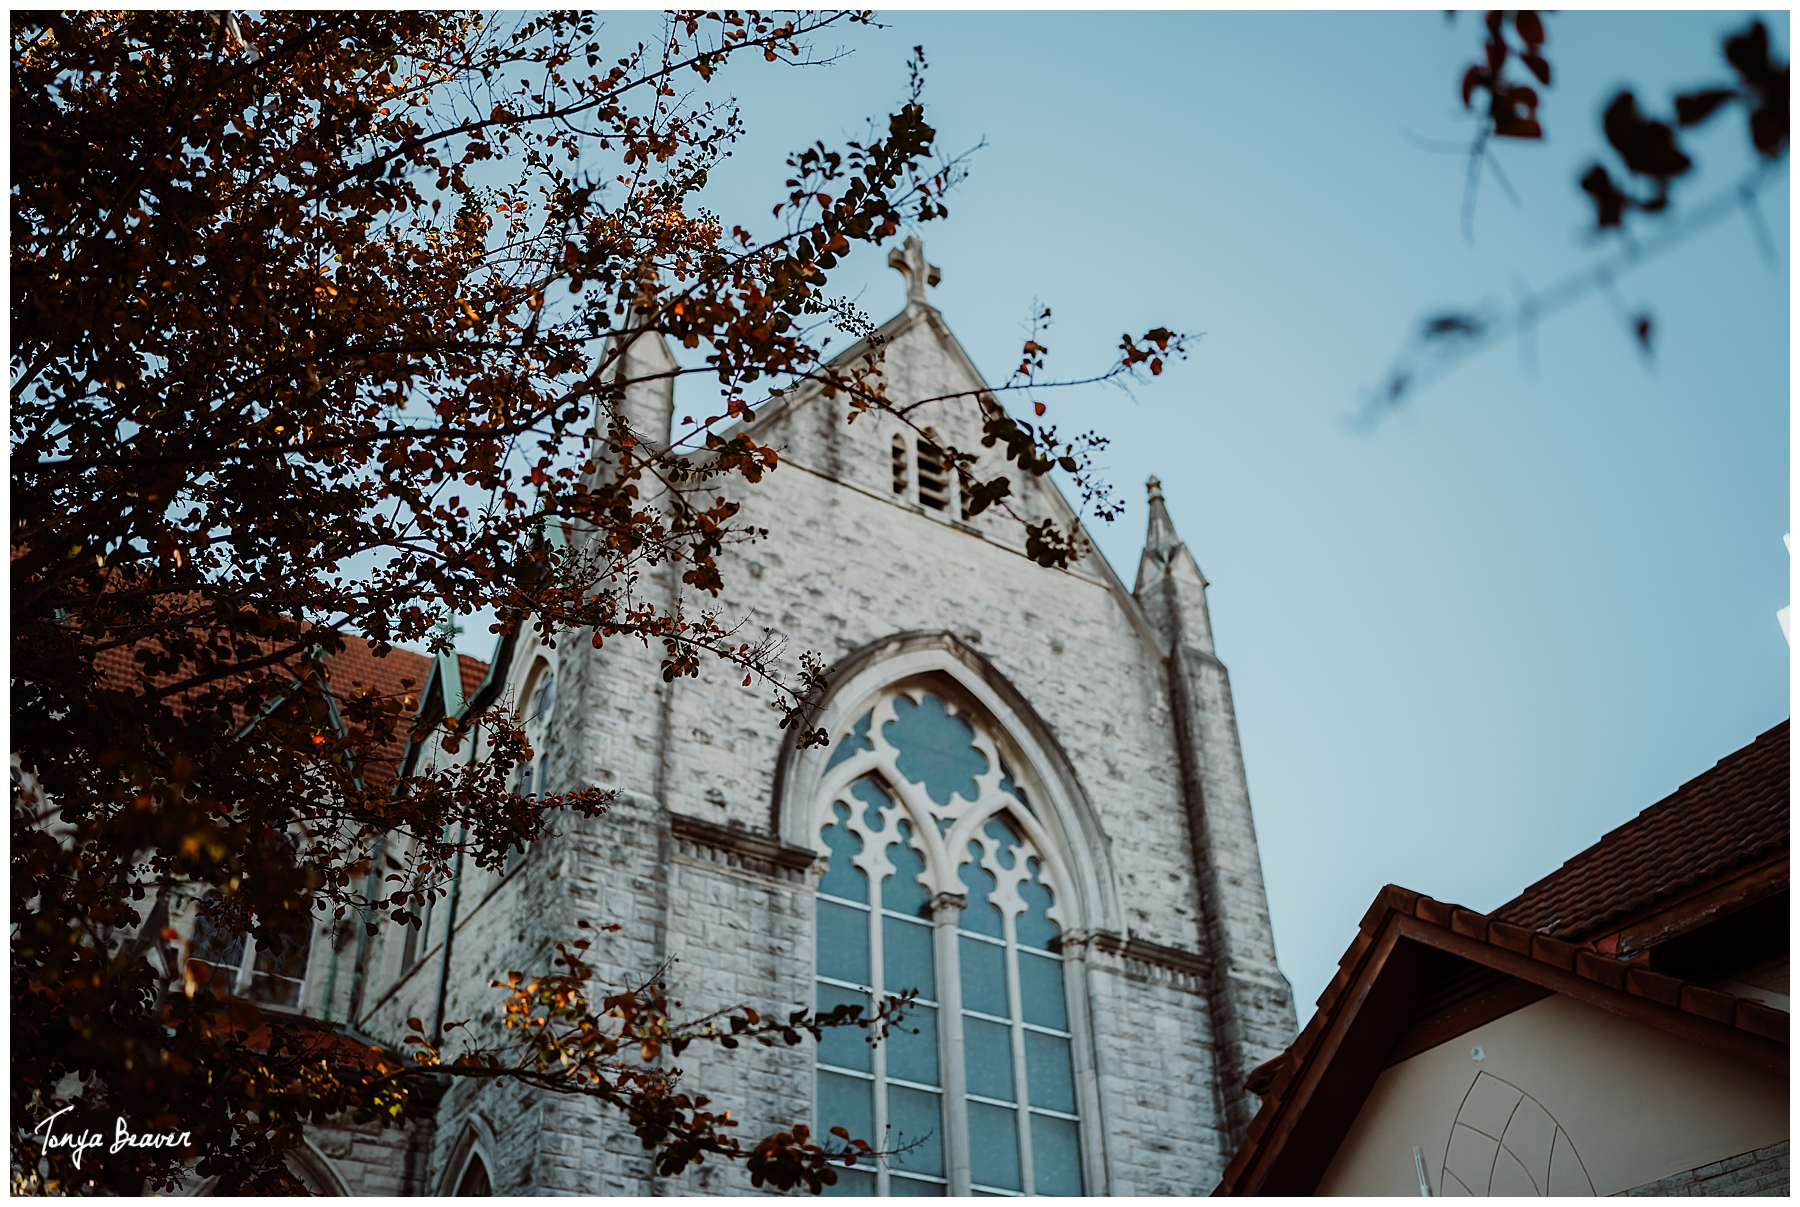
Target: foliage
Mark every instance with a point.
(320, 323)
(1648, 149)
(562, 1042)
(1512, 105)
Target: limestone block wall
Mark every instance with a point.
(851, 564)
(1163, 1130)
(1760, 1173)
(1063, 639)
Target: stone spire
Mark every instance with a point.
(909, 260)
(1250, 1003)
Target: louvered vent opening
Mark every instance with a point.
(899, 465)
(934, 487)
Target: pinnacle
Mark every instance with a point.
(1162, 538)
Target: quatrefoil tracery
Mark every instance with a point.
(940, 833)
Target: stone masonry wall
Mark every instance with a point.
(1762, 1173)
(850, 564)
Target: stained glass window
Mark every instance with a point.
(875, 942)
(884, 832)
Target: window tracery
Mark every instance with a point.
(938, 880)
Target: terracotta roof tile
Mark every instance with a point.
(1733, 813)
(402, 674)
(356, 669)
(1709, 1003)
(473, 670)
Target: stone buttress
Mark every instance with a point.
(1251, 1002)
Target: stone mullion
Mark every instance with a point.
(946, 912)
(878, 1062)
(1021, 1088)
(246, 969)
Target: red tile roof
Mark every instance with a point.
(402, 675)
(473, 671)
(1714, 822)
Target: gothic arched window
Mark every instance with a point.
(938, 881)
(539, 715)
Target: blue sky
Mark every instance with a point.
(1467, 643)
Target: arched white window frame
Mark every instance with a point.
(944, 850)
(539, 731)
(317, 1170)
(474, 1142)
(1061, 827)
(538, 728)
(1023, 739)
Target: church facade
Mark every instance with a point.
(1032, 810)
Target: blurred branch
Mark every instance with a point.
(1447, 339)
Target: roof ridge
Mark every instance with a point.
(1711, 823)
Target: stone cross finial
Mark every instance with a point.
(909, 259)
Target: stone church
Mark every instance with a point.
(1033, 810)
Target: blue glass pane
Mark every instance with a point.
(845, 1047)
(1001, 831)
(844, 1102)
(1055, 1155)
(910, 1188)
(1041, 991)
(935, 748)
(843, 878)
(906, 958)
(904, 890)
(983, 976)
(987, 1058)
(870, 794)
(856, 740)
(851, 1183)
(913, 1116)
(910, 1056)
(1034, 927)
(993, 1146)
(843, 942)
(1047, 1069)
(980, 915)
